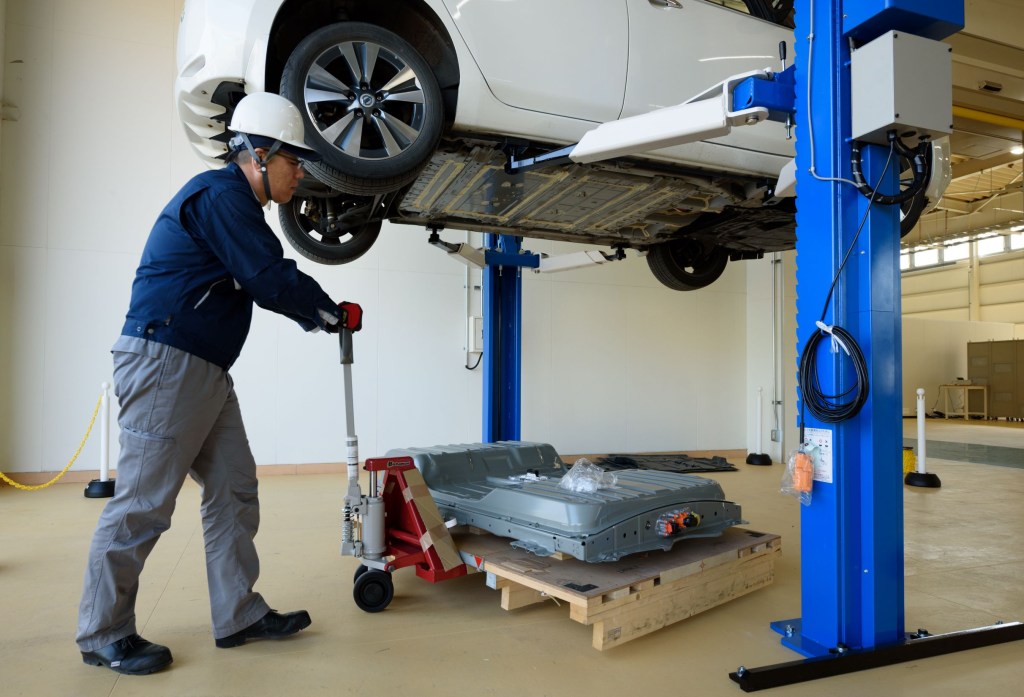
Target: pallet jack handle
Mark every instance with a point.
(345, 341)
(351, 441)
(354, 496)
(345, 344)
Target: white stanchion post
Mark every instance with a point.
(920, 477)
(760, 418)
(103, 488)
(759, 458)
(105, 433)
(921, 455)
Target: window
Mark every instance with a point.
(1017, 241)
(904, 261)
(776, 11)
(956, 252)
(926, 257)
(991, 245)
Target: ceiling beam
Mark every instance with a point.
(988, 103)
(976, 50)
(969, 167)
(953, 206)
(937, 225)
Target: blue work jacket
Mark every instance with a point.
(209, 256)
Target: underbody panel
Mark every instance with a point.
(627, 203)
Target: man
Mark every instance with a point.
(209, 257)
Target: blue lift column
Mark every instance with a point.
(852, 589)
(852, 531)
(502, 318)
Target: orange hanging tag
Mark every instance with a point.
(803, 472)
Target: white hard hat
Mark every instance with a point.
(270, 116)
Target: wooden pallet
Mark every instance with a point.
(636, 595)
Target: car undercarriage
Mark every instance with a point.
(696, 219)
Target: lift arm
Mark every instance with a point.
(742, 100)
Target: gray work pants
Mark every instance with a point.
(179, 417)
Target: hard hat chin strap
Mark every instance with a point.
(261, 161)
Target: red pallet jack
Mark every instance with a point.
(396, 525)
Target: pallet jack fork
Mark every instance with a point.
(396, 525)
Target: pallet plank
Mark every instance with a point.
(636, 595)
(645, 617)
(515, 596)
(681, 585)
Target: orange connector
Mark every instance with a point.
(803, 472)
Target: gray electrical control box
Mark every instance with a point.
(904, 82)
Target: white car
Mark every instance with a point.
(415, 106)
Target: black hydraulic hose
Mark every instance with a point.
(829, 408)
(919, 159)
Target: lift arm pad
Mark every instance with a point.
(708, 115)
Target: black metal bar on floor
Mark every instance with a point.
(851, 661)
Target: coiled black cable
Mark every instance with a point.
(829, 408)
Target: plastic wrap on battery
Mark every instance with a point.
(586, 477)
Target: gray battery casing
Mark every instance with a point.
(511, 489)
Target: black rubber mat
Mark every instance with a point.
(666, 463)
(998, 455)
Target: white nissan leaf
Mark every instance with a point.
(416, 106)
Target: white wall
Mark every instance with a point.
(945, 307)
(771, 362)
(83, 172)
(611, 360)
(989, 289)
(935, 353)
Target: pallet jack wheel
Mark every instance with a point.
(373, 590)
(360, 570)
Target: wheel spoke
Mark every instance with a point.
(362, 57)
(390, 144)
(348, 54)
(319, 79)
(414, 96)
(404, 80)
(389, 128)
(353, 140)
(337, 130)
(314, 96)
(399, 127)
(369, 61)
(331, 240)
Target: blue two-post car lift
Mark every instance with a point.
(848, 278)
(852, 588)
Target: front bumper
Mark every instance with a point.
(221, 56)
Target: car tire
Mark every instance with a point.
(373, 131)
(329, 229)
(687, 264)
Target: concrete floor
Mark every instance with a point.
(964, 562)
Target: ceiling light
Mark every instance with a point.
(1017, 150)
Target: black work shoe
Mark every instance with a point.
(273, 625)
(132, 655)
